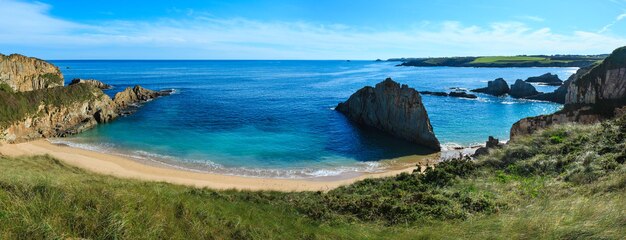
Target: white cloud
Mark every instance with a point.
(532, 18)
(610, 25)
(207, 37)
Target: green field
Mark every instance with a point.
(568, 182)
(514, 59)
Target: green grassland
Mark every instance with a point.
(505, 61)
(568, 182)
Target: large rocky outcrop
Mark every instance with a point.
(51, 119)
(592, 96)
(496, 87)
(547, 79)
(602, 84)
(131, 96)
(23, 73)
(394, 109)
(92, 82)
(521, 89)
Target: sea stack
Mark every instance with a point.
(394, 109)
(497, 87)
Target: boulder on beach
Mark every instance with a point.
(497, 87)
(392, 108)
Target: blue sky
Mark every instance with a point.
(320, 29)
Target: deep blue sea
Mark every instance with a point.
(276, 118)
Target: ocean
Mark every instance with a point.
(276, 118)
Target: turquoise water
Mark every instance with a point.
(275, 118)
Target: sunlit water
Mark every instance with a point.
(275, 118)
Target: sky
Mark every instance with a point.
(314, 29)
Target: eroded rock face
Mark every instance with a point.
(92, 82)
(558, 96)
(605, 82)
(60, 121)
(131, 96)
(521, 89)
(496, 87)
(593, 95)
(23, 73)
(394, 109)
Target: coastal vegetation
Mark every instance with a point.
(504, 61)
(568, 181)
(18, 105)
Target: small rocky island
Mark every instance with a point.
(394, 109)
(546, 79)
(35, 104)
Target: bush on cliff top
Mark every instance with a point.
(533, 188)
(15, 106)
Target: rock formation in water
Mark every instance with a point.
(131, 96)
(496, 87)
(462, 95)
(546, 79)
(33, 107)
(521, 89)
(593, 96)
(92, 82)
(458, 94)
(394, 109)
(23, 73)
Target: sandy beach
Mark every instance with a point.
(122, 167)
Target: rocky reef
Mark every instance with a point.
(497, 87)
(546, 79)
(458, 94)
(394, 109)
(36, 109)
(92, 82)
(521, 89)
(592, 95)
(22, 73)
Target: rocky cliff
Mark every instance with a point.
(394, 109)
(49, 116)
(35, 104)
(604, 83)
(23, 73)
(593, 95)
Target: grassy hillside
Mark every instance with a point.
(15, 106)
(505, 61)
(567, 182)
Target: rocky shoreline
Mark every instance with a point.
(45, 108)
